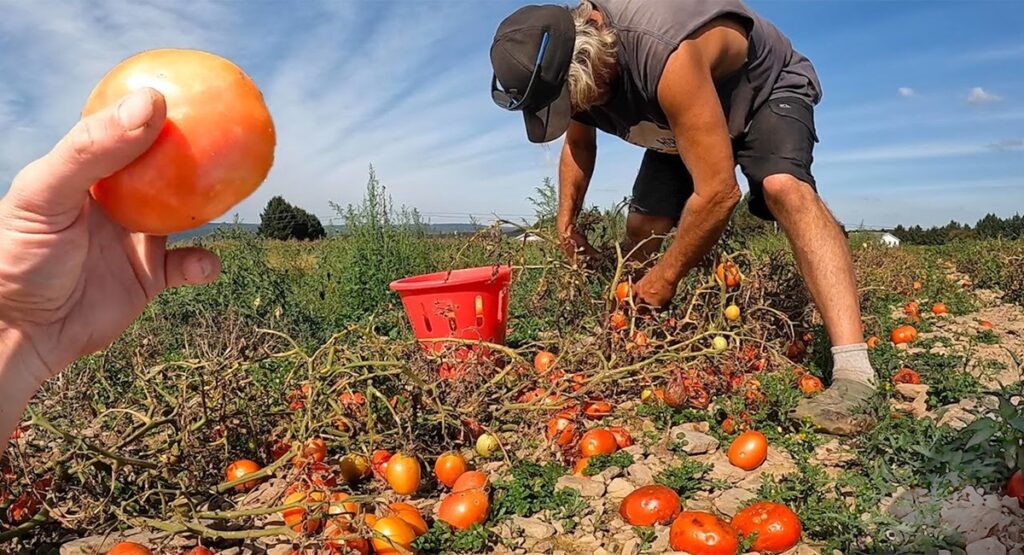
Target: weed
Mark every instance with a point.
(599, 463)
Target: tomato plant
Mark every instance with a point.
(215, 148)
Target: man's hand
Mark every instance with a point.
(72, 280)
(655, 289)
(575, 244)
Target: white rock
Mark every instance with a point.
(619, 488)
(696, 443)
(534, 528)
(640, 474)
(731, 500)
(585, 486)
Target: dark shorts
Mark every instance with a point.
(780, 139)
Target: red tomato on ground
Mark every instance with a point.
(749, 450)
(449, 467)
(1015, 486)
(703, 533)
(906, 375)
(543, 361)
(622, 437)
(403, 474)
(776, 526)
(129, 548)
(809, 384)
(561, 430)
(216, 146)
(598, 442)
(199, 550)
(463, 509)
(650, 505)
(473, 479)
(596, 410)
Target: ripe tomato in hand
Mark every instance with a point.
(703, 533)
(776, 526)
(749, 450)
(216, 146)
(650, 505)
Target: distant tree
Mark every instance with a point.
(545, 204)
(283, 221)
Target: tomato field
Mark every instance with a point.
(288, 408)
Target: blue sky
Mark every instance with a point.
(921, 120)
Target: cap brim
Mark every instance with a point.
(550, 122)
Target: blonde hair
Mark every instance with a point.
(593, 58)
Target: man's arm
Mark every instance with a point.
(575, 168)
(688, 97)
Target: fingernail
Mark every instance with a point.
(204, 267)
(135, 110)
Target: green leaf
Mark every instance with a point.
(982, 435)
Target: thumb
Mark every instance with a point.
(97, 146)
(190, 266)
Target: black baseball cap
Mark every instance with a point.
(531, 53)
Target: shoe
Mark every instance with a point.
(840, 409)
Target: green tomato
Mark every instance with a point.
(719, 343)
(486, 445)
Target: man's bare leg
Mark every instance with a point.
(644, 232)
(823, 257)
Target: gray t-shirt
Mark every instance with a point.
(649, 31)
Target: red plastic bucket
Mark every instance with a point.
(463, 304)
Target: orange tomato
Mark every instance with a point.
(729, 425)
(912, 309)
(463, 509)
(872, 342)
(240, 469)
(473, 479)
(749, 450)
(622, 437)
(543, 361)
(729, 274)
(314, 450)
(703, 533)
(640, 339)
(904, 334)
(215, 148)
(199, 550)
(411, 516)
(906, 375)
(354, 467)
(403, 474)
(297, 518)
(776, 527)
(449, 467)
(623, 291)
(341, 507)
(129, 548)
(985, 324)
(581, 465)
(939, 308)
(561, 430)
(341, 535)
(809, 384)
(598, 442)
(392, 536)
(618, 321)
(650, 505)
(596, 410)
(917, 286)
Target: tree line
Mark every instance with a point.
(989, 227)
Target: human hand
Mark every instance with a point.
(655, 289)
(71, 279)
(575, 244)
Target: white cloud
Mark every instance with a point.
(906, 92)
(904, 151)
(979, 95)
